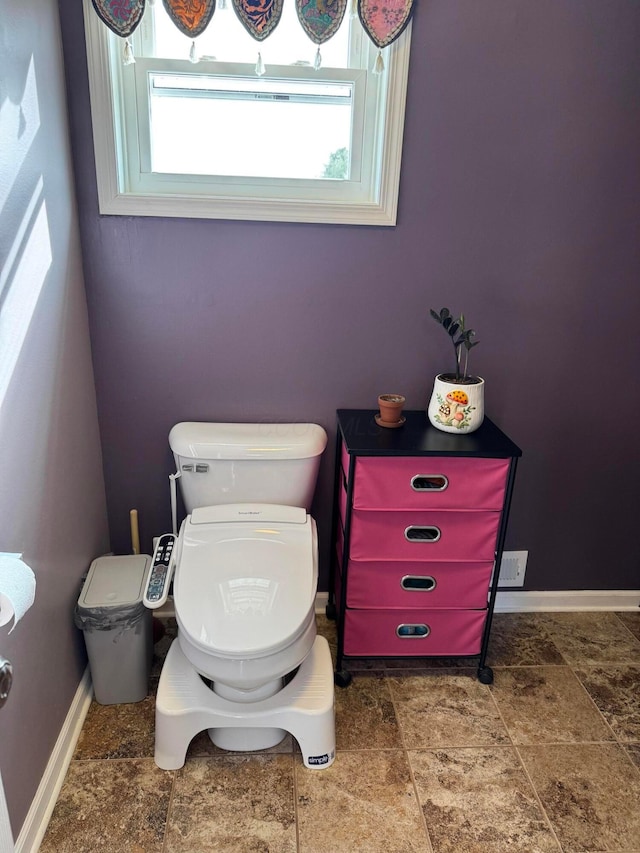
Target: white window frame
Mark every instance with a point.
(123, 189)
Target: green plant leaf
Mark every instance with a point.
(453, 327)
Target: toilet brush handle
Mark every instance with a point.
(160, 573)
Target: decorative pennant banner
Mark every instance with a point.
(191, 17)
(259, 17)
(384, 20)
(320, 19)
(121, 16)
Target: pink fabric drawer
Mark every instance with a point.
(458, 536)
(438, 482)
(391, 584)
(433, 585)
(451, 632)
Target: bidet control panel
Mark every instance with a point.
(159, 577)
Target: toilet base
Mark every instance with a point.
(246, 740)
(185, 706)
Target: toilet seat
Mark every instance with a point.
(245, 579)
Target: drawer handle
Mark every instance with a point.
(422, 533)
(421, 583)
(412, 632)
(429, 483)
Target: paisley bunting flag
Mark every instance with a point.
(384, 20)
(121, 16)
(320, 19)
(259, 17)
(191, 17)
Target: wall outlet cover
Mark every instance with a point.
(512, 569)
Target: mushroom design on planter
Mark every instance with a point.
(454, 409)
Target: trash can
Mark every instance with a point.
(117, 628)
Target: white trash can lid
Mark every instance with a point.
(115, 581)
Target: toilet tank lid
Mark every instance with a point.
(247, 441)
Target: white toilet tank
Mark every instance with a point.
(247, 463)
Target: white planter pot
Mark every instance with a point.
(456, 407)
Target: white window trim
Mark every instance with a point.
(111, 174)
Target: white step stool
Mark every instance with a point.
(185, 706)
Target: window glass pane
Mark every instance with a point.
(249, 127)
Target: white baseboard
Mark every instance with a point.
(568, 599)
(528, 601)
(525, 601)
(322, 599)
(38, 816)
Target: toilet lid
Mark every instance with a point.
(245, 577)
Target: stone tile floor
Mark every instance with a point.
(428, 759)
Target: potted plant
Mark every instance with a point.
(457, 401)
(390, 406)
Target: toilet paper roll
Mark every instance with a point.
(17, 588)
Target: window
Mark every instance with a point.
(216, 139)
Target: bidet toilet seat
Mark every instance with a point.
(245, 584)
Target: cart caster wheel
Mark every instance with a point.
(342, 678)
(485, 675)
(330, 612)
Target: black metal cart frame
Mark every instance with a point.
(359, 434)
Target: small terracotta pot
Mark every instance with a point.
(391, 408)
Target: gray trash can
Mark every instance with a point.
(117, 628)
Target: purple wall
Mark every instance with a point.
(518, 206)
(52, 500)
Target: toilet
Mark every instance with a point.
(247, 664)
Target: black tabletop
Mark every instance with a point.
(363, 437)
